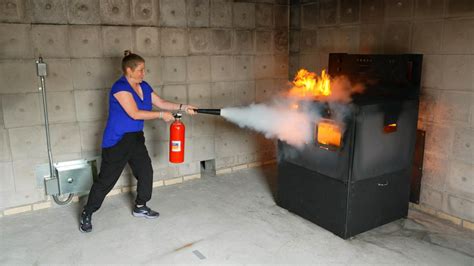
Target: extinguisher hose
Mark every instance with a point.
(208, 111)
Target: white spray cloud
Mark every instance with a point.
(295, 126)
(277, 120)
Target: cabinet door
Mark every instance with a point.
(377, 201)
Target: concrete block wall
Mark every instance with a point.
(441, 30)
(211, 53)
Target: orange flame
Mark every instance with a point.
(309, 84)
(329, 133)
(390, 128)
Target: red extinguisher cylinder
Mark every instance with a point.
(177, 133)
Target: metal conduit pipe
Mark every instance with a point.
(41, 71)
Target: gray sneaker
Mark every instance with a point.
(144, 211)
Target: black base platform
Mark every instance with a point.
(346, 209)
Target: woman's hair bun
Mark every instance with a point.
(127, 53)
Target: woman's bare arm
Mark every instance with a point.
(127, 102)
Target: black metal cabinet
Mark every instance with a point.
(365, 182)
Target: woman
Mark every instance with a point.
(130, 103)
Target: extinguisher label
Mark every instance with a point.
(175, 146)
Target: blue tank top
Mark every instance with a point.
(119, 122)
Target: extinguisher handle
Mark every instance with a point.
(177, 115)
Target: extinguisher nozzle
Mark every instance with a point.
(208, 111)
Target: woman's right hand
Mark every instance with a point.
(167, 116)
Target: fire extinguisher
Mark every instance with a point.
(177, 131)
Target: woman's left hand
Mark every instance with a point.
(189, 109)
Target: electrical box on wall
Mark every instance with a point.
(70, 176)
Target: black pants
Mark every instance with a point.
(130, 149)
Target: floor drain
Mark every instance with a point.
(199, 254)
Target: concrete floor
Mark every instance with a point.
(229, 219)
